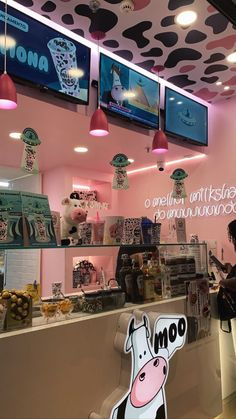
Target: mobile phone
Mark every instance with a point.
(217, 262)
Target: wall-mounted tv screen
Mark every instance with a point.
(44, 57)
(128, 93)
(185, 117)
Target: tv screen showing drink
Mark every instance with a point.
(185, 117)
(128, 93)
(44, 57)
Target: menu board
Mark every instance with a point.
(44, 57)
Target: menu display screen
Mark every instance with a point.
(45, 57)
(128, 93)
(185, 117)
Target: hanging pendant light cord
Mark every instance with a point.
(159, 102)
(98, 79)
(5, 39)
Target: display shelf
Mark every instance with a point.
(99, 246)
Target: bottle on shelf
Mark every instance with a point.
(137, 295)
(125, 277)
(148, 280)
(155, 272)
(165, 279)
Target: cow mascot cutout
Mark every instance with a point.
(150, 357)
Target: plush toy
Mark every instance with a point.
(73, 215)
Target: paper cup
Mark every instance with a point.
(63, 54)
(85, 232)
(132, 231)
(113, 230)
(156, 233)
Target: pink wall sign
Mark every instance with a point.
(150, 354)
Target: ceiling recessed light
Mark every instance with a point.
(231, 57)
(218, 83)
(186, 18)
(131, 160)
(172, 98)
(179, 102)
(81, 149)
(226, 88)
(15, 135)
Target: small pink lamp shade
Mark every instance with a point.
(160, 142)
(99, 124)
(8, 98)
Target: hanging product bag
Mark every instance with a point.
(226, 302)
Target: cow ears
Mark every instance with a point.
(131, 328)
(65, 201)
(146, 324)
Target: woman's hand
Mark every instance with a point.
(229, 283)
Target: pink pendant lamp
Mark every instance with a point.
(8, 98)
(160, 141)
(98, 124)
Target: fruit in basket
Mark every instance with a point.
(6, 294)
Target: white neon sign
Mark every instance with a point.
(211, 203)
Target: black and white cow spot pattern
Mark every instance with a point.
(151, 32)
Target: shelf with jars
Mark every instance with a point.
(77, 281)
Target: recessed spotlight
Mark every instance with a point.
(172, 98)
(131, 160)
(15, 135)
(218, 83)
(231, 58)
(186, 18)
(226, 88)
(179, 102)
(81, 149)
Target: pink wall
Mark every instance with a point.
(216, 169)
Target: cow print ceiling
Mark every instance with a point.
(193, 58)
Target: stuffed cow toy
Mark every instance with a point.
(73, 215)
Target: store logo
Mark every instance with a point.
(150, 365)
(211, 202)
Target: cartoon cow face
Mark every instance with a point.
(149, 372)
(150, 364)
(73, 213)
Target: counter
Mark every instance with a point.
(65, 370)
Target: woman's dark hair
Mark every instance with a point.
(232, 233)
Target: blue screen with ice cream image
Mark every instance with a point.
(128, 93)
(185, 117)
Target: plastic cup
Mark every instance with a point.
(63, 54)
(98, 232)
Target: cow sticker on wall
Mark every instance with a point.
(178, 176)
(150, 357)
(31, 142)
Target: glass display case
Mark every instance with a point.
(67, 282)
